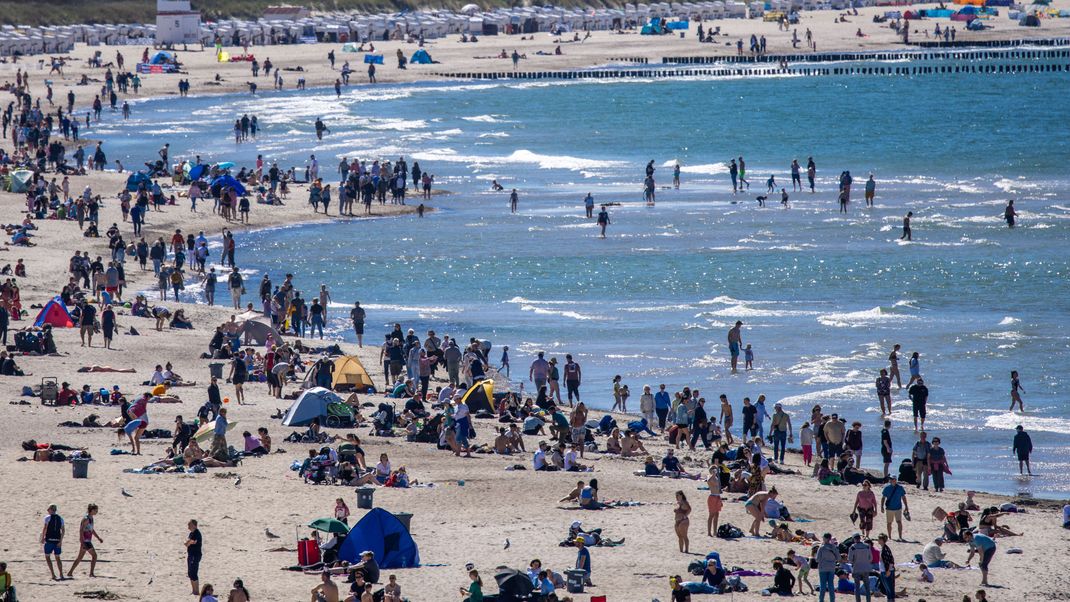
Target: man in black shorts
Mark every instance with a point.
(193, 555)
(919, 396)
(886, 446)
(357, 316)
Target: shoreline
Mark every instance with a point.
(478, 510)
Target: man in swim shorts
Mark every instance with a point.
(735, 341)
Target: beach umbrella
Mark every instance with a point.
(208, 429)
(329, 525)
(224, 165)
(470, 9)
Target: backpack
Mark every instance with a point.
(54, 529)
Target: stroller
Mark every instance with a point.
(320, 472)
(339, 415)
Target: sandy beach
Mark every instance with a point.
(473, 510)
(207, 75)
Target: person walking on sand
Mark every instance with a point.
(827, 557)
(681, 514)
(86, 533)
(714, 503)
(1022, 447)
(894, 505)
(193, 555)
(219, 435)
(52, 539)
(603, 221)
(886, 446)
(735, 341)
(907, 235)
(1016, 386)
(238, 373)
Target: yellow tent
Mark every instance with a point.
(349, 374)
(480, 397)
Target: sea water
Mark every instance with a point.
(823, 296)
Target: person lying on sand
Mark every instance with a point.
(96, 368)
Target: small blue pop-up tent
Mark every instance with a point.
(420, 57)
(162, 57)
(136, 180)
(385, 536)
(229, 181)
(373, 59)
(310, 405)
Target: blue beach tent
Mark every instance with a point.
(197, 171)
(136, 180)
(373, 59)
(420, 57)
(384, 535)
(229, 181)
(162, 57)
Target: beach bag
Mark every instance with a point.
(729, 531)
(696, 567)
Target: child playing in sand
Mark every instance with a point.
(925, 575)
(748, 356)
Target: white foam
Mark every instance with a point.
(647, 308)
(1008, 321)
(866, 317)
(406, 308)
(743, 310)
(519, 157)
(1009, 420)
(844, 393)
(522, 300)
(556, 312)
(485, 118)
(401, 125)
(494, 135)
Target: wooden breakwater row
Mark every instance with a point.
(898, 55)
(814, 71)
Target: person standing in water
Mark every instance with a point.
(871, 190)
(796, 177)
(1009, 214)
(915, 368)
(588, 205)
(906, 227)
(676, 176)
(735, 341)
(743, 174)
(1023, 446)
(733, 170)
(603, 221)
(1016, 386)
(514, 200)
(893, 367)
(811, 172)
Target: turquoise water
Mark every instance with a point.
(823, 296)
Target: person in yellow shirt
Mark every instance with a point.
(7, 590)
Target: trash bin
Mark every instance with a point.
(406, 519)
(364, 497)
(574, 580)
(80, 468)
(215, 369)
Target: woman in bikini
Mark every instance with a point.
(86, 533)
(714, 502)
(1016, 386)
(681, 513)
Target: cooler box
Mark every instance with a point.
(308, 553)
